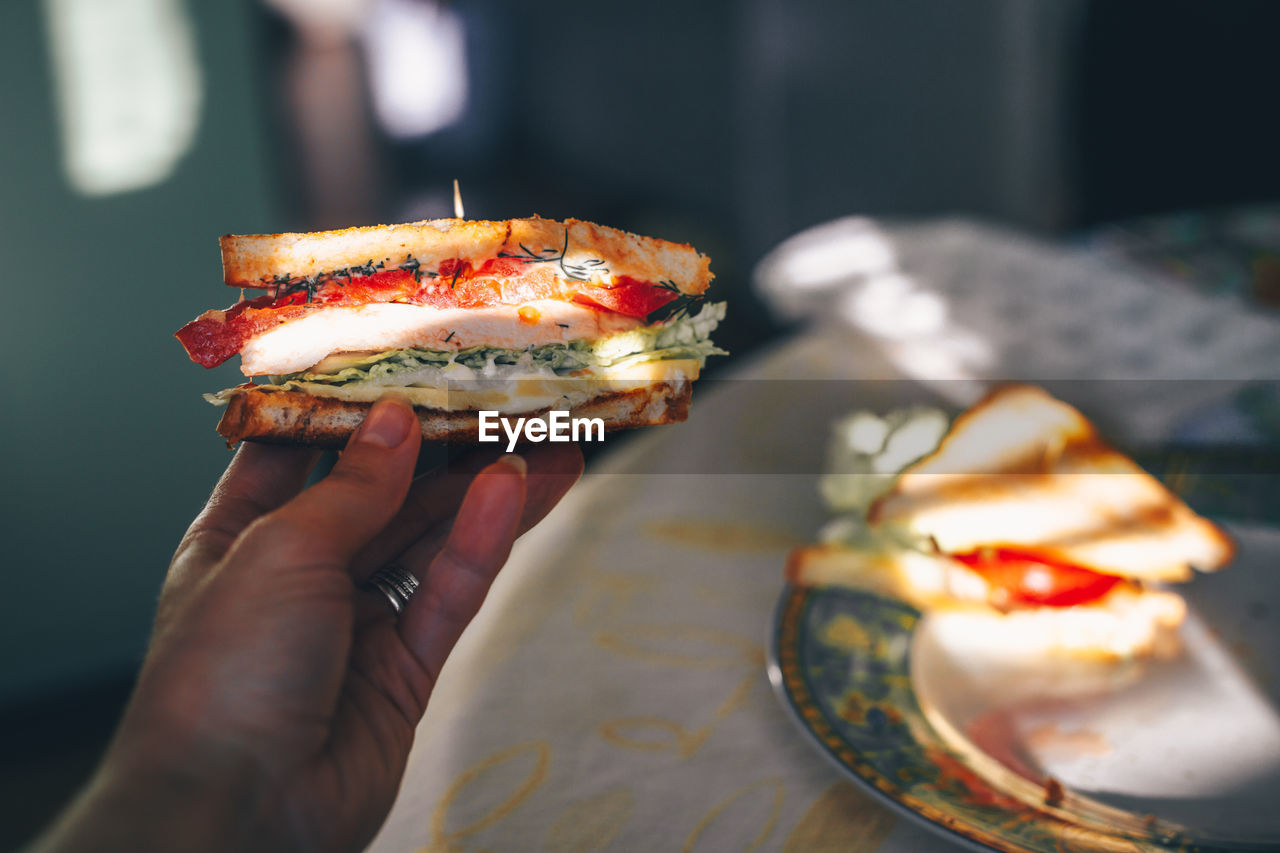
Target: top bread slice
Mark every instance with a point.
(590, 252)
(1024, 469)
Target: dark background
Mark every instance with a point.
(729, 125)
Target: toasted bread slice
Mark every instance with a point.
(294, 417)
(591, 252)
(1129, 621)
(1024, 469)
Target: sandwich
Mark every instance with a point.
(1031, 532)
(523, 317)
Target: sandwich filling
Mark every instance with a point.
(1020, 578)
(1003, 577)
(296, 346)
(514, 332)
(217, 335)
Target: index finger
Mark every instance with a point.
(328, 523)
(418, 529)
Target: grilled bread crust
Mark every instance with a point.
(253, 260)
(294, 417)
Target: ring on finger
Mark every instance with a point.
(394, 582)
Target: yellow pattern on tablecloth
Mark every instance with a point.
(443, 839)
(843, 818)
(737, 809)
(592, 823)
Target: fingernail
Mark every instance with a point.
(387, 425)
(516, 461)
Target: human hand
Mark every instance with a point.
(278, 701)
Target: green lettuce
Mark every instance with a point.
(684, 336)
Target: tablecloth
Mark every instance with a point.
(612, 693)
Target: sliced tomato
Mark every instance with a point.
(627, 296)
(509, 267)
(382, 286)
(501, 281)
(1024, 577)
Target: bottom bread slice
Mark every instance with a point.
(295, 417)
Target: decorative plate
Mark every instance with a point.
(1179, 755)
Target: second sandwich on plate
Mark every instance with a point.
(1030, 531)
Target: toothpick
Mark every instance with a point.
(457, 201)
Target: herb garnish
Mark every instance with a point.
(366, 269)
(573, 272)
(287, 285)
(676, 308)
(411, 265)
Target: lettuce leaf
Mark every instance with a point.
(683, 336)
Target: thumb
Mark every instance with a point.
(332, 520)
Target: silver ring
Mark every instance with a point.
(395, 583)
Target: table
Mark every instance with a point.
(612, 692)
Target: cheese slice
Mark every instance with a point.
(514, 389)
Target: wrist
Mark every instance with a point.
(136, 802)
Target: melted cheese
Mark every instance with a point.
(299, 344)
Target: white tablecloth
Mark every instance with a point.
(612, 694)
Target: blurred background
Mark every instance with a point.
(137, 131)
